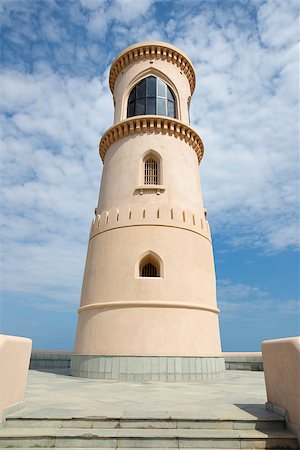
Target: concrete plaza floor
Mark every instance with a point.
(240, 395)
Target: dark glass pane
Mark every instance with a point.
(170, 94)
(132, 95)
(141, 89)
(161, 88)
(151, 96)
(161, 107)
(151, 87)
(140, 106)
(130, 111)
(171, 109)
(151, 105)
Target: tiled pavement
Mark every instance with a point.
(240, 395)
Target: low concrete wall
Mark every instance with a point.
(14, 357)
(148, 368)
(47, 360)
(243, 361)
(43, 360)
(282, 375)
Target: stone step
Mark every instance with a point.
(172, 423)
(136, 448)
(145, 438)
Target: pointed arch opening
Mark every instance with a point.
(152, 169)
(150, 266)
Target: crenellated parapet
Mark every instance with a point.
(136, 215)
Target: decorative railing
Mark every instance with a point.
(151, 124)
(152, 51)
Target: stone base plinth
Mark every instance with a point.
(148, 368)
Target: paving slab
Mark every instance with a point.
(240, 395)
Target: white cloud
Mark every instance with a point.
(122, 11)
(51, 173)
(277, 22)
(245, 108)
(251, 302)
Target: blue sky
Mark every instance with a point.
(56, 104)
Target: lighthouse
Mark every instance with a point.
(148, 308)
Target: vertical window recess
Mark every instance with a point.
(151, 175)
(150, 267)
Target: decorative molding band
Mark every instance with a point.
(94, 233)
(137, 215)
(150, 51)
(143, 304)
(151, 124)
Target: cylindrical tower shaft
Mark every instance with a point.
(149, 287)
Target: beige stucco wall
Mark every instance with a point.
(148, 332)
(188, 270)
(182, 319)
(14, 363)
(281, 359)
(123, 173)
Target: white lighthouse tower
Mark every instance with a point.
(148, 307)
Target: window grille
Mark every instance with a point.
(151, 171)
(149, 270)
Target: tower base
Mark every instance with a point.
(148, 368)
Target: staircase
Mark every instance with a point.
(109, 433)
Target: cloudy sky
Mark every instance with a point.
(56, 104)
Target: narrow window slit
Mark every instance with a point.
(172, 214)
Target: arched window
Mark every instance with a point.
(150, 266)
(151, 96)
(151, 172)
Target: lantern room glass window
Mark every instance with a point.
(151, 96)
